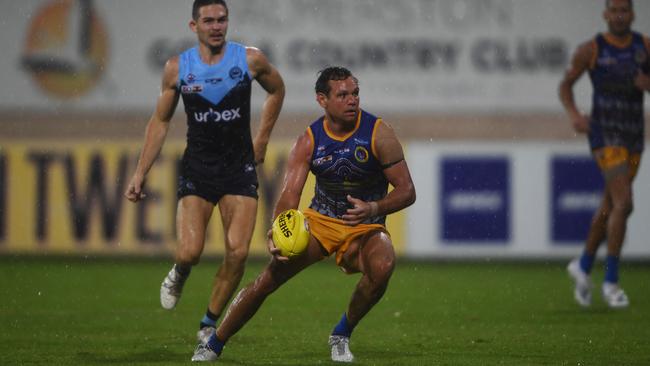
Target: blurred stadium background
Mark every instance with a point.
(469, 85)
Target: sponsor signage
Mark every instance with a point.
(576, 185)
(67, 198)
(424, 56)
(475, 199)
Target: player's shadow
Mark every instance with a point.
(148, 356)
(593, 311)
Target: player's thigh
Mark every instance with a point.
(635, 162)
(238, 214)
(370, 254)
(192, 217)
(377, 256)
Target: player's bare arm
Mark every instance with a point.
(294, 182)
(579, 64)
(642, 80)
(156, 130)
(271, 81)
(391, 156)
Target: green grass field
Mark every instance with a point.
(85, 312)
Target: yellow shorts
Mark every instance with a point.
(610, 157)
(334, 235)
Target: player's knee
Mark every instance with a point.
(623, 206)
(382, 269)
(266, 283)
(237, 255)
(629, 207)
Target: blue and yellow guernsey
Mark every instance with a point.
(217, 104)
(346, 166)
(617, 112)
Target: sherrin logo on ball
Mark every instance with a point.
(290, 233)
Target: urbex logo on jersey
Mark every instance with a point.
(66, 48)
(216, 116)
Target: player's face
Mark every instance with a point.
(619, 17)
(212, 25)
(342, 103)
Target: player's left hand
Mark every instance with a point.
(357, 214)
(642, 81)
(275, 252)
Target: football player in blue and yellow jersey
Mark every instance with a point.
(618, 63)
(354, 156)
(218, 167)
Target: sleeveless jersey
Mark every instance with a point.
(346, 166)
(617, 106)
(217, 104)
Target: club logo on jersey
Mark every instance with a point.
(216, 116)
(236, 73)
(191, 89)
(361, 154)
(191, 78)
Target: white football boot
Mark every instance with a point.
(203, 353)
(203, 335)
(171, 289)
(582, 281)
(340, 348)
(614, 296)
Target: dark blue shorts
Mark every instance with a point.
(213, 190)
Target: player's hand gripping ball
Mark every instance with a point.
(290, 233)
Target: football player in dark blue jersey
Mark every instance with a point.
(218, 167)
(354, 156)
(618, 64)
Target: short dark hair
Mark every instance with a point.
(198, 4)
(629, 1)
(331, 73)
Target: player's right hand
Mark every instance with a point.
(275, 252)
(134, 191)
(581, 124)
(642, 81)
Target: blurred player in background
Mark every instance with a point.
(218, 166)
(618, 65)
(354, 156)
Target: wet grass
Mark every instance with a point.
(97, 312)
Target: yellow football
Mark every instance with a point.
(290, 233)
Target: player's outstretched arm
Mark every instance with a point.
(156, 130)
(391, 155)
(271, 81)
(294, 182)
(580, 63)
